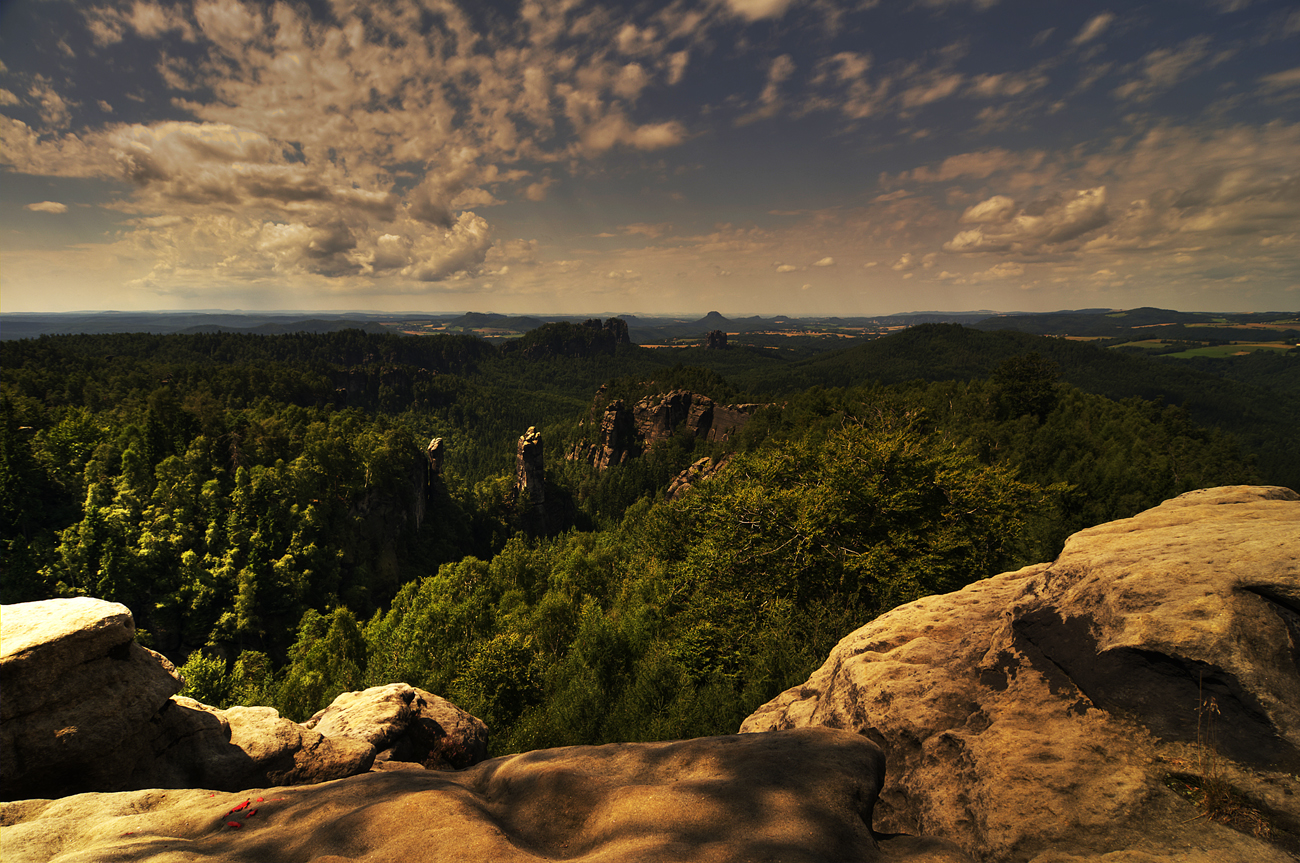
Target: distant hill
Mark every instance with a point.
(1145, 322)
(479, 321)
(1263, 418)
(28, 326)
(567, 339)
(280, 328)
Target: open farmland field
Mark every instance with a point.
(1233, 350)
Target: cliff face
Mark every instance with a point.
(1068, 705)
(627, 432)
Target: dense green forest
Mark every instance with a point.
(265, 507)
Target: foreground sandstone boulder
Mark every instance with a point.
(1069, 711)
(86, 708)
(198, 746)
(403, 725)
(76, 690)
(799, 796)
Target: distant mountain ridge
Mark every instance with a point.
(646, 329)
(1128, 322)
(1263, 417)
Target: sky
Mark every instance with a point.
(795, 157)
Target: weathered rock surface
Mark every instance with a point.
(699, 471)
(1043, 714)
(436, 452)
(195, 745)
(403, 724)
(618, 439)
(282, 752)
(76, 691)
(797, 796)
(627, 432)
(85, 708)
(659, 417)
(530, 471)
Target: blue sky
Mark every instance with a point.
(750, 156)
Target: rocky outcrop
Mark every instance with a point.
(715, 340)
(791, 796)
(627, 432)
(85, 708)
(658, 417)
(617, 329)
(198, 746)
(405, 726)
(436, 451)
(617, 441)
(530, 472)
(1062, 712)
(76, 690)
(699, 471)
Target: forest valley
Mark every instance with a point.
(265, 506)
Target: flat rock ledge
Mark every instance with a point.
(1068, 711)
(801, 796)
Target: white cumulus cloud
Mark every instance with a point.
(1045, 222)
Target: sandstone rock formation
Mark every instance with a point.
(85, 708)
(530, 473)
(618, 437)
(76, 691)
(658, 417)
(436, 452)
(800, 796)
(626, 432)
(699, 471)
(405, 726)
(617, 329)
(715, 340)
(1050, 714)
(195, 745)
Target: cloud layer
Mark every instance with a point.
(594, 150)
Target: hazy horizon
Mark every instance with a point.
(796, 157)
(734, 314)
